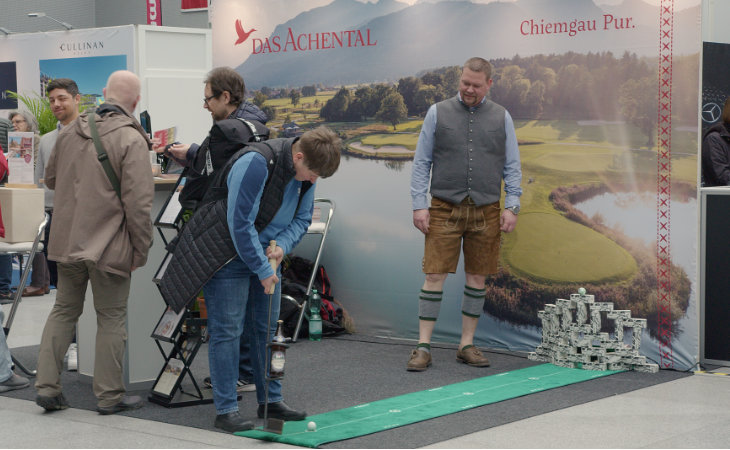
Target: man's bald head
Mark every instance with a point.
(123, 86)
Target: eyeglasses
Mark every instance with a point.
(207, 99)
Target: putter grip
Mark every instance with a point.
(272, 261)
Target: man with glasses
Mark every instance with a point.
(64, 99)
(224, 98)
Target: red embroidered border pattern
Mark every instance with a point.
(664, 172)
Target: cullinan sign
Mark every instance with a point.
(81, 47)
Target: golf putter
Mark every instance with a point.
(271, 425)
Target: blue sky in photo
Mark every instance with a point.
(89, 73)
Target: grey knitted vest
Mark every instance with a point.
(469, 152)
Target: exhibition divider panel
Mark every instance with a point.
(172, 64)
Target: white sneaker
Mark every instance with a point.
(72, 357)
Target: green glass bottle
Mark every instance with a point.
(315, 320)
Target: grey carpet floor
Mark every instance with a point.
(349, 370)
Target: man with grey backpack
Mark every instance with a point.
(102, 177)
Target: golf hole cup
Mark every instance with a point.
(312, 426)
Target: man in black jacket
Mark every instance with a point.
(716, 151)
(224, 97)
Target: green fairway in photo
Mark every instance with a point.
(550, 248)
(582, 160)
(401, 140)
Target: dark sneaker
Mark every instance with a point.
(281, 411)
(241, 385)
(13, 383)
(245, 386)
(127, 403)
(472, 356)
(232, 422)
(420, 361)
(6, 297)
(56, 403)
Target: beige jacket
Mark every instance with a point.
(90, 223)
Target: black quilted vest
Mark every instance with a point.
(205, 245)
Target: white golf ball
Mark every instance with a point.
(582, 291)
(312, 426)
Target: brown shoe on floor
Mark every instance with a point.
(472, 356)
(32, 291)
(420, 360)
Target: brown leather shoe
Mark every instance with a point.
(472, 356)
(32, 291)
(420, 360)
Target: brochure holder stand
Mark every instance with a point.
(186, 330)
(186, 333)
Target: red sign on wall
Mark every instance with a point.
(154, 12)
(194, 4)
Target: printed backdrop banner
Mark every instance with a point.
(604, 98)
(87, 56)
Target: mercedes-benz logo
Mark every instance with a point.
(711, 112)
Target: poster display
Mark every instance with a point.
(20, 157)
(606, 121)
(87, 56)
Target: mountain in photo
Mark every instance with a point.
(409, 39)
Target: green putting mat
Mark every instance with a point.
(417, 406)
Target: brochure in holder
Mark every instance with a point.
(168, 324)
(170, 215)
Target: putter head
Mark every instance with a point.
(274, 425)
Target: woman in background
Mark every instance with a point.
(40, 279)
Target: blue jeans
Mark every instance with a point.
(6, 362)
(6, 272)
(245, 371)
(237, 304)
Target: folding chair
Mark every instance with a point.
(30, 248)
(320, 227)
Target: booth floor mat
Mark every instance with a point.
(423, 405)
(338, 373)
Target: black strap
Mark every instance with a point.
(103, 157)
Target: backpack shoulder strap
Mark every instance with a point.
(103, 157)
(219, 189)
(252, 128)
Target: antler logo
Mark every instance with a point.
(242, 35)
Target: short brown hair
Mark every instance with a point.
(477, 64)
(67, 84)
(321, 148)
(226, 79)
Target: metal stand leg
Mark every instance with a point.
(30, 373)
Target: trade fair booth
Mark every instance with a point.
(580, 82)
